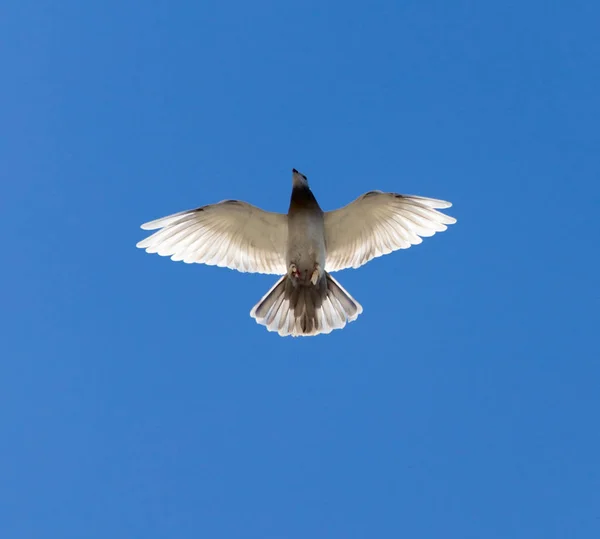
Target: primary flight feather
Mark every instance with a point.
(303, 246)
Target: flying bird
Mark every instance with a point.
(304, 246)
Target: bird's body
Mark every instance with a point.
(302, 246)
(306, 233)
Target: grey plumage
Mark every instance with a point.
(303, 246)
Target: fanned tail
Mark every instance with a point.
(302, 310)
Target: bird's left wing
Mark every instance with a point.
(230, 234)
(378, 223)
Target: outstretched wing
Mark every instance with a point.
(230, 234)
(378, 223)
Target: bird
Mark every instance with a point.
(303, 246)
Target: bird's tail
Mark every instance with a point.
(301, 310)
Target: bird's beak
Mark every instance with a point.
(298, 179)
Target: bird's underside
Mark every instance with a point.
(303, 247)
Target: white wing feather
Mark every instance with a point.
(378, 223)
(230, 234)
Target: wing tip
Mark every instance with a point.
(439, 204)
(435, 203)
(168, 220)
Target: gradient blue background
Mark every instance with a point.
(137, 397)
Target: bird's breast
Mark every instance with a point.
(306, 240)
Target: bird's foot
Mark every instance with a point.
(314, 278)
(293, 272)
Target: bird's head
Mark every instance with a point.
(298, 179)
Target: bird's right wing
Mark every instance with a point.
(230, 234)
(378, 223)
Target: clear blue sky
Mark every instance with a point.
(138, 399)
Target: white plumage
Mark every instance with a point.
(230, 234)
(378, 223)
(306, 300)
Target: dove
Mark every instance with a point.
(304, 247)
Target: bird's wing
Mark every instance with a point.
(230, 234)
(378, 223)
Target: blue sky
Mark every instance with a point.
(137, 396)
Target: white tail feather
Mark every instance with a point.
(306, 310)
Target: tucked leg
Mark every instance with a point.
(293, 271)
(314, 278)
